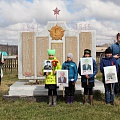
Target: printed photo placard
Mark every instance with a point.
(62, 78)
(48, 66)
(86, 66)
(110, 74)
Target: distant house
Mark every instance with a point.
(100, 51)
(9, 49)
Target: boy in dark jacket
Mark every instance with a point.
(108, 60)
(88, 87)
(72, 77)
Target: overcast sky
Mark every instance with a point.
(100, 15)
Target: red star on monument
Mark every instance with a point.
(56, 12)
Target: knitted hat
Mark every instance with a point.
(87, 51)
(51, 52)
(70, 55)
(108, 50)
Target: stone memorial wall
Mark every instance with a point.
(71, 47)
(28, 54)
(85, 42)
(32, 49)
(42, 45)
(59, 50)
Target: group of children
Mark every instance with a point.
(87, 81)
(112, 57)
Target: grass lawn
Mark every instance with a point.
(32, 110)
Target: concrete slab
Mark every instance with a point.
(19, 88)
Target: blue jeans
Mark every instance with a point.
(109, 92)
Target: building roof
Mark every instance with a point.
(101, 49)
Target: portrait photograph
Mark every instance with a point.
(47, 66)
(110, 74)
(86, 66)
(62, 78)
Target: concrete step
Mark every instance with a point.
(19, 88)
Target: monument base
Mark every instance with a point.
(22, 89)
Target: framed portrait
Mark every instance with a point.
(110, 74)
(48, 66)
(62, 78)
(86, 66)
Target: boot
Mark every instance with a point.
(68, 99)
(72, 99)
(50, 101)
(91, 99)
(85, 99)
(54, 100)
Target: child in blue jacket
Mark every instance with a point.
(88, 88)
(72, 77)
(108, 60)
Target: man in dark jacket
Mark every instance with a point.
(86, 66)
(62, 78)
(116, 54)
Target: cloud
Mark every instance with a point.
(100, 15)
(97, 9)
(117, 2)
(24, 11)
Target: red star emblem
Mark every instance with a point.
(56, 11)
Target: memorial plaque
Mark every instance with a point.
(71, 47)
(28, 54)
(85, 42)
(59, 51)
(42, 45)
